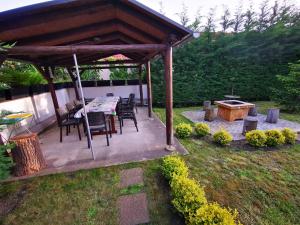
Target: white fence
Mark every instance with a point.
(42, 108)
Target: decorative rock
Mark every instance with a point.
(272, 115)
(209, 114)
(206, 105)
(252, 111)
(250, 123)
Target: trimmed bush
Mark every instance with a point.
(183, 130)
(202, 129)
(173, 165)
(188, 195)
(290, 136)
(274, 138)
(256, 138)
(213, 214)
(222, 137)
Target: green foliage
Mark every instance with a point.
(274, 138)
(213, 214)
(256, 138)
(289, 135)
(5, 161)
(202, 129)
(183, 130)
(287, 93)
(222, 137)
(123, 74)
(132, 189)
(91, 75)
(19, 74)
(173, 165)
(188, 195)
(246, 62)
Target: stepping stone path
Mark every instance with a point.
(133, 209)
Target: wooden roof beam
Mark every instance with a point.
(83, 49)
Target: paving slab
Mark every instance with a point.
(133, 209)
(131, 176)
(236, 127)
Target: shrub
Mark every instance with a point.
(289, 135)
(213, 214)
(5, 162)
(274, 138)
(173, 165)
(202, 129)
(183, 130)
(188, 195)
(256, 138)
(222, 137)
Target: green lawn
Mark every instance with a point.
(263, 185)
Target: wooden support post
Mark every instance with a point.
(169, 96)
(141, 86)
(47, 75)
(74, 79)
(149, 89)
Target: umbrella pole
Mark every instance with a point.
(83, 104)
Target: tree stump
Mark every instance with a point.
(27, 155)
(252, 111)
(272, 115)
(206, 105)
(209, 114)
(250, 123)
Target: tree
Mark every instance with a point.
(263, 20)
(238, 18)
(274, 14)
(183, 15)
(226, 22)
(210, 26)
(161, 8)
(249, 18)
(196, 25)
(288, 92)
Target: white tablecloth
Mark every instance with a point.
(100, 104)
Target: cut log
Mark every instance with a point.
(250, 123)
(252, 111)
(209, 114)
(272, 115)
(27, 155)
(206, 105)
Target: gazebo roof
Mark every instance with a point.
(84, 23)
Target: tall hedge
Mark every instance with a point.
(246, 62)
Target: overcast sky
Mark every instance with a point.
(170, 7)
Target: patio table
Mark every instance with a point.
(107, 105)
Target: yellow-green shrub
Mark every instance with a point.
(202, 129)
(214, 214)
(290, 135)
(188, 195)
(222, 137)
(274, 138)
(174, 165)
(183, 130)
(256, 138)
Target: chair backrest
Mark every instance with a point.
(62, 114)
(70, 106)
(109, 94)
(96, 118)
(77, 102)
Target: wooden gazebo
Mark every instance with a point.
(47, 35)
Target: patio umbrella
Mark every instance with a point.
(83, 104)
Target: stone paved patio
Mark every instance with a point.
(235, 128)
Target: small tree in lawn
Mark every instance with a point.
(288, 93)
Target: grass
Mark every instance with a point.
(263, 185)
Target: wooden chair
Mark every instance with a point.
(98, 123)
(65, 121)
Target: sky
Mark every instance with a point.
(170, 7)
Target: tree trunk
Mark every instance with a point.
(272, 116)
(209, 114)
(250, 123)
(27, 155)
